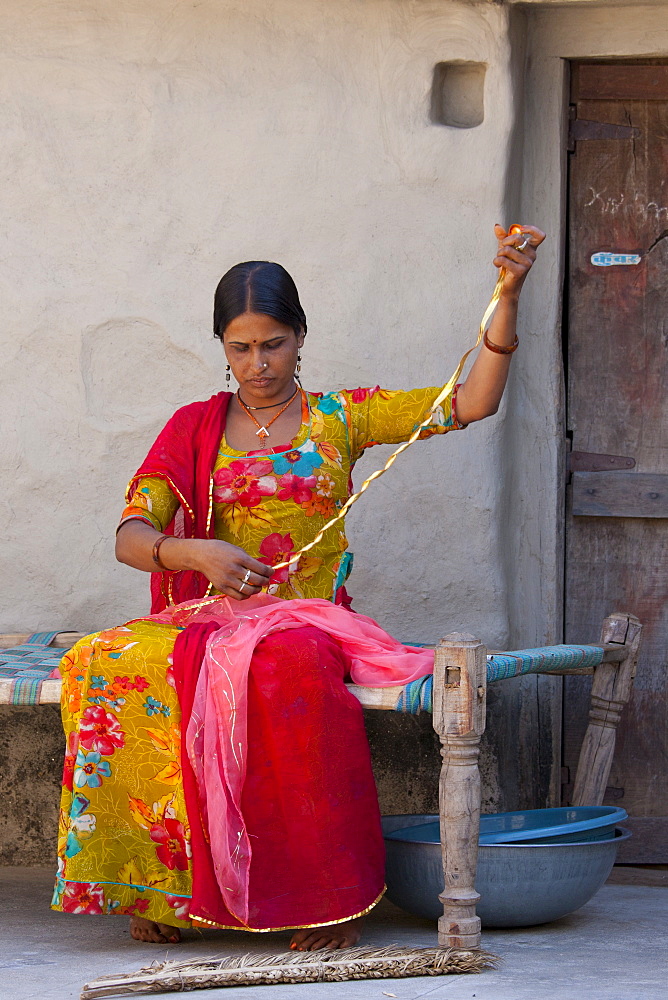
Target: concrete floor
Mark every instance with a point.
(614, 948)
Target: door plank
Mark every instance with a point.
(619, 494)
(620, 82)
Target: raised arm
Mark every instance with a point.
(479, 396)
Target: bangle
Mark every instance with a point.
(156, 554)
(497, 349)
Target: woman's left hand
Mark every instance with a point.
(516, 263)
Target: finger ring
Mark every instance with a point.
(241, 587)
(523, 245)
(247, 576)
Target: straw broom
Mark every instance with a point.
(311, 967)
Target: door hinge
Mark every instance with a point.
(591, 461)
(580, 129)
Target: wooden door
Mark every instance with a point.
(617, 415)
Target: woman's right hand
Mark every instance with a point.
(231, 570)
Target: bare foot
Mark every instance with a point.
(333, 936)
(142, 929)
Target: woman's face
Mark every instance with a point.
(262, 354)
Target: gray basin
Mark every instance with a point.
(519, 884)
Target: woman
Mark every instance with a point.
(269, 819)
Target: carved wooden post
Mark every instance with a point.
(459, 693)
(611, 689)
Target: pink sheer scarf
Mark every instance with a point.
(217, 736)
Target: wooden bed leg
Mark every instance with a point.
(459, 695)
(611, 689)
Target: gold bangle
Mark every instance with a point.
(497, 349)
(156, 554)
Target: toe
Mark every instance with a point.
(149, 932)
(340, 936)
(299, 938)
(322, 941)
(169, 934)
(305, 941)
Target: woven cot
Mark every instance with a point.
(28, 665)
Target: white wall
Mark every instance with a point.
(146, 147)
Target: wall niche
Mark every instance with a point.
(458, 94)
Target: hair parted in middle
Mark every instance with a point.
(258, 286)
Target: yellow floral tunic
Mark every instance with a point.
(124, 844)
(271, 502)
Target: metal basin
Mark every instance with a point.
(520, 885)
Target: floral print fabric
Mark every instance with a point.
(123, 841)
(273, 501)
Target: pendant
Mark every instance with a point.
(262, 433)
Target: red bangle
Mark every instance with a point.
(156, 554)
(497, 349)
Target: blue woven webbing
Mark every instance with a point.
(542, 660)
(28, 665)
(417, 696)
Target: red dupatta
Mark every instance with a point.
(183, 455)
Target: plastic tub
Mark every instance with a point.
(572, 824)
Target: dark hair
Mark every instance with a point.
(258, 286)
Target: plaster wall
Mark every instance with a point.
(147, 147)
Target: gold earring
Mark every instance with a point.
(227, 373)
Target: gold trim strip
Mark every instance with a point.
(193, 606)
(210, 533)
(204, 602)
(443, 394)
(291, 927)
(209, 515)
